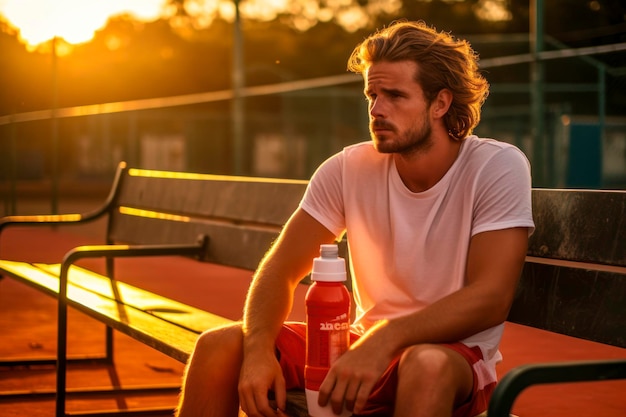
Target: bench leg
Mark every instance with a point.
(61, 347)
(108, 345)
(62, 361)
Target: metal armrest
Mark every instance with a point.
(58, 219)
(126, 251)
(521, 377)
(44, 219)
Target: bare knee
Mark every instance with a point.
(218, 350)
(227, 338)
(211, 376)
(427, 360)
(437, 369)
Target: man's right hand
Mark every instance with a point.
(261, 373)
(268, 304)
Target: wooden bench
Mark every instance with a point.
(223, 220)
(573, 282)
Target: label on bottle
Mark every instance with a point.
(331, 336)
(332, 339)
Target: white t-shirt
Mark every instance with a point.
(408, 249)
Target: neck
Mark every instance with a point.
(420, 171)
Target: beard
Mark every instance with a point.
(414, 140)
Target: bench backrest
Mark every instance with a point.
(574, 279)
(239, 216)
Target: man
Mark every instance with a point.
(437, 223)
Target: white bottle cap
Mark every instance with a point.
(329, 267)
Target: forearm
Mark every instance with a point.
(268, 304)
(494, 264)
(270, 297)
(451, 319)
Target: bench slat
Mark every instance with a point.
(241, 216)
(241, 199)
(159, 334)
(229, 244)
(578, 302)
(150, 328)
(192, 318)
(580, 225)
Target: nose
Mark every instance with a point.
(376, 108)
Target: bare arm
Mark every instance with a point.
(268, 304)
(494, 264)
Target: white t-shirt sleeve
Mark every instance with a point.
(503, 195)
(323, 198)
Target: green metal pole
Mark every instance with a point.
(13, 180)
(602, 114)
(540, 164)
(55, 130)
(238, 116)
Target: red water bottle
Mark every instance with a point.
(328, 323)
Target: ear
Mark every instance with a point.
(441, 103)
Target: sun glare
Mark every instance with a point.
(76, 21)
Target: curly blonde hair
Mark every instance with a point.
(444, 62)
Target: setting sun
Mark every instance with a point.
(76, 21)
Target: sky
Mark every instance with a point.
(76, 21)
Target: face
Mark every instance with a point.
(398, 110)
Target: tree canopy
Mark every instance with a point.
(185, 52)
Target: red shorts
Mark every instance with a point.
(291, 345)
